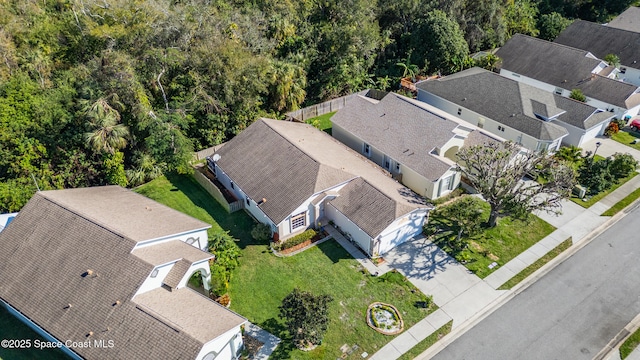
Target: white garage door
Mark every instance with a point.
(592, 133)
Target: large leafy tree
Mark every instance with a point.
(306, 316)
(551, 25)
(497, 171)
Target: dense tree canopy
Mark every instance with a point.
(97, 92)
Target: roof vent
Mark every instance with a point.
(147, 208)
(264, 200)
(513, 115)
(464, 99)
(90, 333)
(116, 303)
(69, 306)
(87, 273)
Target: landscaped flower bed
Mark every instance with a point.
(299, 241)
(384, 318)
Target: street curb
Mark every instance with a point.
(621, 337)
(523, 285)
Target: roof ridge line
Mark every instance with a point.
(585, 52)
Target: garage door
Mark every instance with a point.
(592, 133)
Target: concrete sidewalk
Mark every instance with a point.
(461, 295)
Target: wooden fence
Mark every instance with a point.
(326, 107)
(199, 155)
(215, 192)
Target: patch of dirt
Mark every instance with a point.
(493, 257)
(475, 246)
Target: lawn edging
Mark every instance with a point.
(516, 279)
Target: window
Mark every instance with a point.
(367, 149)
(397, 167)
(387, 163)
(190, 241)
(623, 70)
(248, 203)
(154, 273)
(481, 122)
(558, 91)
(501, 128)
(233, 187)
(459, 111)
(514, 74)
(298, 221)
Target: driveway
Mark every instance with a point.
(457, 291)
(609, 147)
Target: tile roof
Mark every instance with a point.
(629, 20)
(286, 162)
(400, 129)
(562, 66)
(168, 251)
(602, 40)
(45, 255)
(496, 97)
(123, 211)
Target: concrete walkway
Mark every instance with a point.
(269, 340)
(462, 296)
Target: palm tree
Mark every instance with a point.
(107, 134)
(408, 69)
(288, 82)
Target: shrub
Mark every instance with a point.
(296, 240)
(595, 175)
(306, 316)
(611, 129)
(576, 94)
(224, 300)
(261, 232)
(622, 165)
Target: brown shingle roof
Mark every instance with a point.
(286, 162)
(177, 272)
(168, 251)
(178, 309)
(44, 257)
(125, 212)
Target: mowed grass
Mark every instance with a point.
(427, 342)
(13, 329)
(627, 137)
(537, 265)
(509, 238)
(262, 280)
(324, 122)
(630, 344)
(620, 205)
(597, 197)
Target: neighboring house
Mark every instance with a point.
(534, 118)
(293, 177)
(559, 69)
(602, 40)
(400, 134)
(629, 20)
(107, 267)
(5, 219)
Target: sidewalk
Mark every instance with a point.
(462, 296)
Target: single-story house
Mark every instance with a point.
(603, 40)
(104, 271)
(560, 68)
(527, 115)
(293, 177)
(400, 134)
(628, 20)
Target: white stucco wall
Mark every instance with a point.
(631, 75)
(401, 230)
(4, 218)
(199, 237)
(225, 346)
(151, 283)
(361, 238)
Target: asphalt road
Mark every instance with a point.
(570, 313)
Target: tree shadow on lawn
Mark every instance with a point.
(278, 329)
(238, 224)
(420, 259)
(332, 250)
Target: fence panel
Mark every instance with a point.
(332, 105)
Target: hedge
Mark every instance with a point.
(296, 240)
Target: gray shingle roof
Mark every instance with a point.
(629, 20)
(400, 129)
(44, 253)
(496, 97)
(286, 162)
(602, 40)
(562, 66)
(123, 212)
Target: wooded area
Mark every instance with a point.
(97, 92)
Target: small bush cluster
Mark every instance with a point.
(296, 240)
(599, 175)
(612, 129)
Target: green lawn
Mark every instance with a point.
(630, 344)
(620, 205)
(536, 265)
(427, 342)
(594, 199)
(12, 328)
(499, 244)
(627, 137)
(324, 122)
(262, 280)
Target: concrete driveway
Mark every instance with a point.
(457, 291)
(609, 147)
